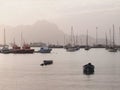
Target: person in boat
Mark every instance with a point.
(88, 68)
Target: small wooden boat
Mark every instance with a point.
(72, 48)
(46, 62)
(88, 69)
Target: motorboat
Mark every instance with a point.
(45, 50)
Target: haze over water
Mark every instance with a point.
(48, 21)
(23, 71)
(81, 14)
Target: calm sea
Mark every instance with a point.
(23, 71)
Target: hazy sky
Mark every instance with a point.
(81, 14)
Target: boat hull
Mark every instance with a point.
(72, 49)
(23, 51)
(45, 50)
(47, 62)
(88, 69)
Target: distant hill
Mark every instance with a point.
(41, 31)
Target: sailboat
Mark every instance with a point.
(5, 48)
(112, 48)
(72, 47)
(87, 47)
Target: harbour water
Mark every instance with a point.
(23, 71)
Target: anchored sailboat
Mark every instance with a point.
(112, 48)
(72, 46)
(5, 48)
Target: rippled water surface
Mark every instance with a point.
(23, 71)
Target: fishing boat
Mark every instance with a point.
(27, 49)
(45, 50)
(16, 49)
(24, 49)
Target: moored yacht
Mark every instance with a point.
(113, 47)
(5, 48)
(72, 47)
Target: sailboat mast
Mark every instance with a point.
(64, 40)
(113, 36)
(106, 39)
(14, 41)
(81, 42)
(110, 36)
(72, 36)
(21, 39)
(96, 35)
(119, 35)
(4, 37)
(76, 41)
(87, 38)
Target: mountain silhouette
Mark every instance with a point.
(40, 31)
